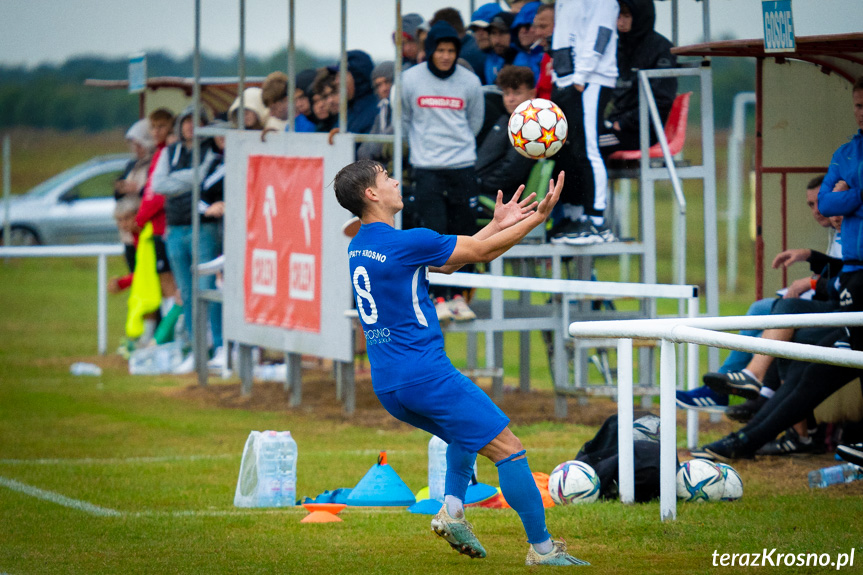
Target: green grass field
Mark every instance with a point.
(121, 475)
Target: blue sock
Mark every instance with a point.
(522, 494)
(459, 469)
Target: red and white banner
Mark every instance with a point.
(284, 203)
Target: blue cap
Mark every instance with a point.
(483, 15)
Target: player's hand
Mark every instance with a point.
(798, 288)
(579, 87)
(114, 285)
(548, 202)
(788, 257)
(510, 213)
(841, 186)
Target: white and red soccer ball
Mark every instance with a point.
(537, 128)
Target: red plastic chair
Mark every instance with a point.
(675, 132)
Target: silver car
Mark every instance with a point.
(73, 207)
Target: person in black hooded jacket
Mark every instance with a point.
(362, 102)
(639, 47)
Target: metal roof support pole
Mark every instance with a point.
(736, 146)
(7, 189)
(292, 75)
(343, 71)
(705, 19)
(708, 162)
(199, 344)
(241, 68)
(398, 128)
(675, 20)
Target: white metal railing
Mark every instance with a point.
(100, 251)
(697, 331)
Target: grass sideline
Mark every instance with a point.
(169, 469)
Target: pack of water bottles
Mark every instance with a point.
(268, 471)
(157, 359)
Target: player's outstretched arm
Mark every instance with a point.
(470, 249)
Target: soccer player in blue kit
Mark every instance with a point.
(411, 374)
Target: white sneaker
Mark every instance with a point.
(444, 315)
(218, 360)
(187, 366)
(460, 310)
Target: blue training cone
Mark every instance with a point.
(381, 487)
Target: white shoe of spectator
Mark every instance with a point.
(187, 366)
(220, 357)
(460, 310)
(444, 315)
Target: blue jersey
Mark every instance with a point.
(389, 274)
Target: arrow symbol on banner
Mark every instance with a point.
(270, 210)
(307, 213)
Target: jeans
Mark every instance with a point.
(179, 243)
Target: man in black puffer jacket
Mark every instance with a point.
(639, 47)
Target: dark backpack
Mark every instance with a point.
(601, 454)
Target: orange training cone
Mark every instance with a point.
(320, 517)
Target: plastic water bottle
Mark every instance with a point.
(437, 467)
(81, 368)
(277, 470)
(845, 473)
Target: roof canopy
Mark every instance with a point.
(840, 53)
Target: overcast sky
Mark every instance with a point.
(39, 31)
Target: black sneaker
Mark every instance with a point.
(729, 448)
(581, 233)
(561, 228)
(789, 443)
(735, 383)
(851, 453)
(745, 411)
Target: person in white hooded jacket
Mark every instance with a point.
(584, 56)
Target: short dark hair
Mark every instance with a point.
(351, 182)
(323, 79)
(544, 7)
(858, 85)
(815, 182)
(162, 115)
(514, 77)
(451, 16)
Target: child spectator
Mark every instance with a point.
(152, 209)
(256, 113)
(543, 28)
(470, 51)
(362, 102)
(131, 183)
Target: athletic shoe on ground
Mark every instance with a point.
(444, 315)
(557, 556)
(789, 444)
(460, 310)
(734, 383)
(217, 362)
(187, 365)
(458, 533)
(702, 399)
(851, 453)
(745, 411)
(727, 449)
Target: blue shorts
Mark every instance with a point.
(451, 407)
